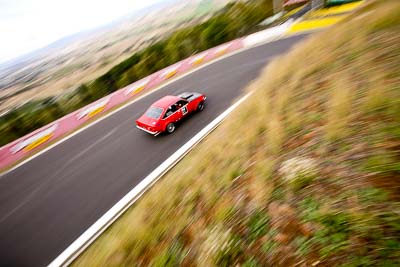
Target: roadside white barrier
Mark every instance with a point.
(267, 35)
(90, 235)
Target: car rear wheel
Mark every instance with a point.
(200, 106)
(170, 127)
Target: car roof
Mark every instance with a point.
(166, 101)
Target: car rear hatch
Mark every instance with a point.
(148, 124)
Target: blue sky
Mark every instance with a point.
(26, 25)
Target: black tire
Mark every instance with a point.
(170, 128)
(200, 106)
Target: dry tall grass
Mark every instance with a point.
(304, 173)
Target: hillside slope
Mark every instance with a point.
(60, 67)
(304, 173)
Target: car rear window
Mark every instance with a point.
(154, 112)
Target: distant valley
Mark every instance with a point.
(62, 66)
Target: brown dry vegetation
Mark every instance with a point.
(83, 60)
(304, 173)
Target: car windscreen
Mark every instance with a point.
(154, 112)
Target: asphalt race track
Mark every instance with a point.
(51, 200)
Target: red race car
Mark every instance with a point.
(163, 114)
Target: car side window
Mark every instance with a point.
(173, 108)
(169, 112)
(181, 103)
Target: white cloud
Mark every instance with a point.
(26, 25)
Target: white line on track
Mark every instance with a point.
(26, 199)
(91, 146)
(30, 196)
(90, 235)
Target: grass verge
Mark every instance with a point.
(304, 173)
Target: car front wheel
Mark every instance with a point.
(170, 128)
